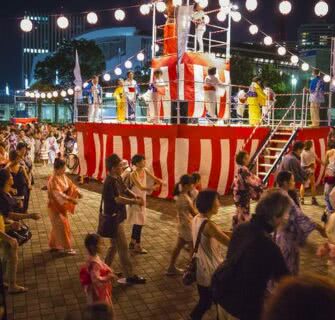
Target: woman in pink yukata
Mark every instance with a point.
(99, 287)
(246, 187)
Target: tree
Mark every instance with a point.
(91, 58)
(242, 71)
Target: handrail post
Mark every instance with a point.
(306, 108)
(294, 115)
(210, 42)
(302, 106)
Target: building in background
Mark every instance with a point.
(315, 36)
(117, 46)
(45, 38)
(120, 44)
(314, 41)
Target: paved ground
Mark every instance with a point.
(53, 282)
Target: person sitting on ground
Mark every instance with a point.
(253, 259)
(115, 197)
(99, 286)
(9, 219)
(292, 163)
(307, 297)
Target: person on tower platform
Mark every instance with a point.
(212, 83)
(256, 99)
(94, 92)
(131, 90)
(198, 19)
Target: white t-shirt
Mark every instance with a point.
(307, 158)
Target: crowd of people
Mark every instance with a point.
(262, 249)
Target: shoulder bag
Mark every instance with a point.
(190, 273)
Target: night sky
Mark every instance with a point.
(266, 16)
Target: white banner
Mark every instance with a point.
(183, 28)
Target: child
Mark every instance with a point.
(44, 151)
(308, 160)
(136, 213)
(96, 276)
(53, 148)
(186, 211)
(121, 101)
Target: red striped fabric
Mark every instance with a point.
(192, 85)
(170, 150)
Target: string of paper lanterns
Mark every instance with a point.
(140, 56)
(285, 7)
(282, 51)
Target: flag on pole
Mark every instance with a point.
(77, 74)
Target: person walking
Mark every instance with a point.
(253, 259)
(308, 163)
(136, 213)
(98, 286)
(185, 213)
(209, 255)
(246, 186)
(293, 235)
(316, 97)
(53, 148)
(292, 162)
(113, 213)
(62, 199)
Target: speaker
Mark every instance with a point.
(183, 113)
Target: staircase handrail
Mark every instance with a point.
(282, 152)
(273, 131)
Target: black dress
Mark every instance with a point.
(21, 185)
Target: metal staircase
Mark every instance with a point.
(269, 155)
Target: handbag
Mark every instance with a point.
(190, 273)
(108, 223)
(22, 235)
